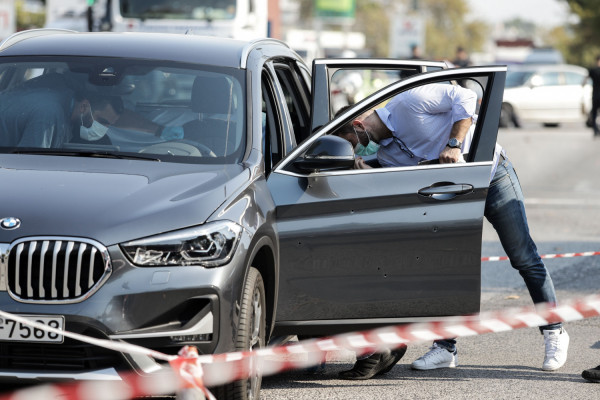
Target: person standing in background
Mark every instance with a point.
(462, 58)
(594, 74)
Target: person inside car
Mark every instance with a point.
(37, 113)
(437, 121)
(99, 112)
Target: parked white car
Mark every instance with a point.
(548, 94)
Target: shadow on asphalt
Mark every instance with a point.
(305, 379)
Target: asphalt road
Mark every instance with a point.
(558, 169)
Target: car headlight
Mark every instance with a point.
(209, 245)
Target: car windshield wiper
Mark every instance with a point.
(97, 154)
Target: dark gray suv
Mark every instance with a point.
(167, 190)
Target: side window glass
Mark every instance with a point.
(349, 86)
(550, 79)
(271, 129)
(573, 78)
(306, 80)
(420, 120)
(296, 100)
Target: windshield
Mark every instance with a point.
(123, 108)
(168, 9)
(517, 78)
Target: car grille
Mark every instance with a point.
(56, 270)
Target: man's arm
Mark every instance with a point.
(459, 131)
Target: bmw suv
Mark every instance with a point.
(169, 190)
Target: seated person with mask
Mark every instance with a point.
(106, 115)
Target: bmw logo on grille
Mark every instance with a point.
(10, 223)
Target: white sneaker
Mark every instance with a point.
(436, 357)
(557, 343)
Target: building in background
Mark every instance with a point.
(8, 19)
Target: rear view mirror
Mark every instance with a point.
(327, 153)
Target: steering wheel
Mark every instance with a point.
(179, 148)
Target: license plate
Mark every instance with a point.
(13, 331)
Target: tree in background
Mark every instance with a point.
(446, 26)
(26, 19)
(580, 42)
(371, 19)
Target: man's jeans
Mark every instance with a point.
(505, 210)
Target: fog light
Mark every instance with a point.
(205, 337)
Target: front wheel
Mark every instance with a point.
(250, 336)
(508, 117)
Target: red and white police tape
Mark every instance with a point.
(548, 256)
(194, 371)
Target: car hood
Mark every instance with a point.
(110, 201)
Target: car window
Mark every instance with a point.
(271, 134)
(573, 78)
(349, 86)
(408, 111)
(306, 80)
(123, 107)
(517, 78)
(549, 79)
(296, 99)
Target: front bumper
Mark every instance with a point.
(162, 308)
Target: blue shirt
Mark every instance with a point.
(421, 119)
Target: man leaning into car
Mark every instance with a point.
(439, 119)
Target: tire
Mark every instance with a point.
(506, 116)
(250, 336)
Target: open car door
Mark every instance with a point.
(342, 82)
(362, 248)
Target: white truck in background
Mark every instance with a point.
(226, 18)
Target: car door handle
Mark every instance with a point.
(445, 190)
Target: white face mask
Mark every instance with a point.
(94, 132)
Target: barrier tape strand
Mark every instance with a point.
(198, 371)
(548, 256)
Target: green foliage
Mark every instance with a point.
(371, 16)
(581, 41)
(447, 28)
(28, 20)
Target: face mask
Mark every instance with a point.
(94, 132)
(370, 148)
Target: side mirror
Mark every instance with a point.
(327, 153)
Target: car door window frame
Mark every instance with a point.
(489, 111)
(322, 70)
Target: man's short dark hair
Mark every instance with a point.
(348, 127)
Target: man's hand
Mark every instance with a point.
(450, 155)
(359, 163)
(459, 131)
